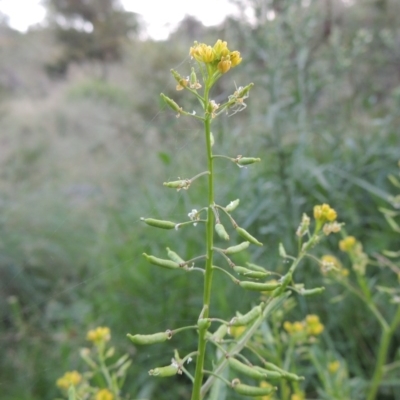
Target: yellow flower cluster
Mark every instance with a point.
(104, 394)
(218, 56)
(329, 263)
(311, 326)
(324, 213)
(69, 378)
(348, 243)
(333, 366)
(355, 250)
(99, 335)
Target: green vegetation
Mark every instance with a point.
(83, 158)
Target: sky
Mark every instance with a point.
(160, 16)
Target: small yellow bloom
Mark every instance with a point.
(220, 49)
(224, 65)
(348, 243)
(324, 213)
(314, 326)
(99, 335)
(287, 326)
(68, 379)
(104, 394)
(297, 396)
(235, 58)
(236, 331)
(298, 326)
(333, 366)
(329, 262)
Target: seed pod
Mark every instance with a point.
(284, 281)
(248, 317)
(247, 160)
(161, 262)
(164, 372)
(232, 205)
(251, 274)
(282, 251)
(219, 334)
(258, 286)
(287, 375)
(150, 339)
(203, 323)
(237, 248)
(244, 90)
(174, 256)
(171, 103)
(251, 372)
(219, 228)
(181, 184)
(257, 268)
(246, 235)
(268, 373)
(158, 223)
(251, 391)
(312, 292)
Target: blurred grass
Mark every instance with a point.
(83, 159)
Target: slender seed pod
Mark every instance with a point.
(232, 205)
(251, 391)
(246, 235)
(158, 223)
(251, 372)
(161, 262)
(180, 184)
(164, 372)
(312, 292)
(268, 373)
(171, 103)
(287, 375)
(258, 286)
(237, 248)
(248, 317)
(174, 256)
(257, 268)
(219, 228)
(247, 160)
(285, 280)
(251, 274)
(150, 339)
(244, 90)
(219, 334)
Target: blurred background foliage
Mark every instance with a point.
(86, 145)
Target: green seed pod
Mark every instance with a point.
(247, 160)
(248, 317)
(193, 78)
(268, 373)
(219, 334)
(158, 223)
(174, 256)
(232, 205)
(284, 282)
(164, 372)
(237, 248)
(255, 267)
(282, 251)
(203, 323)
(312, 292)
(287, 375)
(161, 262)
(150, 339)
(250, 391)
(251, 274)
(243, 92)
(171, 103)
(244, 369)
(176, 75)
(181, 184)
(219, 228)
(258, 286)
(246, 235)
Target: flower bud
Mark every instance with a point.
(161, 262)
(224, 65)
(246, 160)
(248, 317)
(246, 235)
(158, 223)
(150, 339)
(232, 205)
(237, 248)
(174, 256)
(219, 228)
(203, 323)
(258, 286)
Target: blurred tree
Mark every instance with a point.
(90, 29)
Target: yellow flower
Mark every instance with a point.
(348, 243)
(68, 379)
(324, 213)
(235, 58)
(287, 326)
(99, 335)
(220, 49)
(333, 366)
(104, 394)
(298, 326)
(224, 65)
(297, 396)
(314, 326)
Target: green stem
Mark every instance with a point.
(382, 356)
(201, 347)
